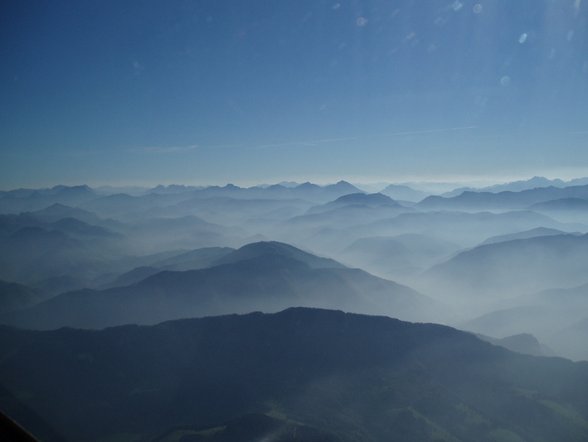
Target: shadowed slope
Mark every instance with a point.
(355, 377)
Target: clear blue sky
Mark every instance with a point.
(258, 91)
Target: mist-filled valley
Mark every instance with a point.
(509, 275)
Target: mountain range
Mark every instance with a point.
(15, 296)
(556, 316)
(403, 193)
(469, 200)
(333, 376)
(398, 256)
(266, 276)
(526, 234)
(516, 267)
(361, 200)
(462, 228)
(25, 200)
(520, 185)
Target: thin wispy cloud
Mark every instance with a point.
(193, 147)
(433, 131)
(317, 142)
(164, 149)
(305, 143)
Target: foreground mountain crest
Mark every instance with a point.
(335, 376)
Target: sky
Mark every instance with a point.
(210, 92)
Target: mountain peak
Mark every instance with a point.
(343, 186)
(307, 186)
(276, 248)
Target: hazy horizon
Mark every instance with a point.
(442, 182)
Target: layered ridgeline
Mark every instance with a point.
(62, 241)
(469, 200)
(398, 256)
(15, 297)
(266, 276)
(301, 374)
(112, 201)
(558, 317)
(514, 267)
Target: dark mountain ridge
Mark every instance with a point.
(354, 377)
(277, 249)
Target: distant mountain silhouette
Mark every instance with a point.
(516, 186)
(26, 200)
(532, 233)
(334, 231)
(524, 343)
(503, 200)
(361, 200)
(161, 233)
(334, 376)
(123, 206)
(462, 228)
(229, 210)
(514, 267)
(348, 210)
(75, 227)
(398, 255)
(548, 314)
(69, 225)
(307, 190)
(274, 249)
(403, 193)
(261, 276)
(132, 276)
(32, 251)
(371, 199)
(54, 285)
(16, 296)
(192, 260)
(562, 204)
(57, 211)
(341, 187)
